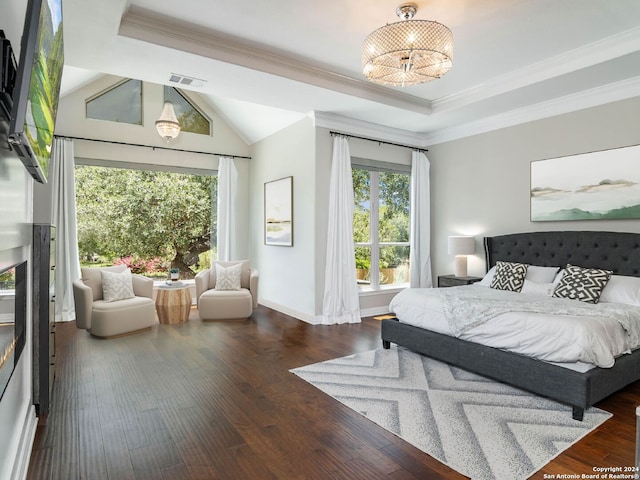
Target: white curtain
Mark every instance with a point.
(341, 302)
(227, 187)
(63, 216)
(420, 224)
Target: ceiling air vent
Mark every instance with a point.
(186, 81)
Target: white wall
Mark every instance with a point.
(17, 415)
(287, 279)
(480, 185)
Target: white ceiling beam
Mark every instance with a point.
(141, 24)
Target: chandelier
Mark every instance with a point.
(407, 52)
(167, 125)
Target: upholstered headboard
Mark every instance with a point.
(616, 251)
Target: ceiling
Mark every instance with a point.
(264, 65)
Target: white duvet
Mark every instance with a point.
(592, 334)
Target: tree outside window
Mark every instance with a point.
(149, 220)
(381, 227)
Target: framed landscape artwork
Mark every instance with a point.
(590, 186)
(278, 212)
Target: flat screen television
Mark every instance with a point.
(8, 75)
(37, 88)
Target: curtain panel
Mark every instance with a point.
(63, 216)
(341, 303)
(420, 223)
(227, 188)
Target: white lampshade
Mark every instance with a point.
(461, 246)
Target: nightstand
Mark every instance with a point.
(453, 281)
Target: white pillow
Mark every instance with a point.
(228, 278)
(539, 274)
(540, 288)
(486, 280)
(116, 286)
(622, 289)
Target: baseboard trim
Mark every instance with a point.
(25, 446)
(371, 312)
(289, 311)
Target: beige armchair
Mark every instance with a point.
(235, 301)
(114, 318)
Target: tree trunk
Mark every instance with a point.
(185, 271)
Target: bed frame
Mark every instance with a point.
(615, 251)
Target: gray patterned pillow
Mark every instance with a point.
(509, 276)
(116, 286)
(584, 284)
(228, 278)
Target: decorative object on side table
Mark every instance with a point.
(174, 274)
(454, 281)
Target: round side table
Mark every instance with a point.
(173, 304)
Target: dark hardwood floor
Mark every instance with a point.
(216, 401)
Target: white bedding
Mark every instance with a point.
(565, 339)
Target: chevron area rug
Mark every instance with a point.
(479, 427)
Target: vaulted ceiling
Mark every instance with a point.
(264, 64)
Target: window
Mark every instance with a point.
(189, 117)
(121, 103)
(381, 224)
(149, 220)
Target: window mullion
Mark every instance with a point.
(374, 272)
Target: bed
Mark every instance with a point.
(615, 251)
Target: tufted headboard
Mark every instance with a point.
(616, 251)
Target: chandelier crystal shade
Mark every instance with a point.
(167, 125)
(408, 52)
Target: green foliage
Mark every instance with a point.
(144, 214)
(363, 257)
(361, 185)
(394, 192)
(393, 224)
(192, 121)
(8, 279)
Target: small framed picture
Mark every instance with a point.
(278, 212)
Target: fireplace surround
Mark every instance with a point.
(13, 301)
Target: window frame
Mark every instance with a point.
(375, 168)
(110, 89)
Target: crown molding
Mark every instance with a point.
(352, 126)
(141, 24)
(585, 56)
(578, 101)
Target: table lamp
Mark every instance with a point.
(461, 246)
